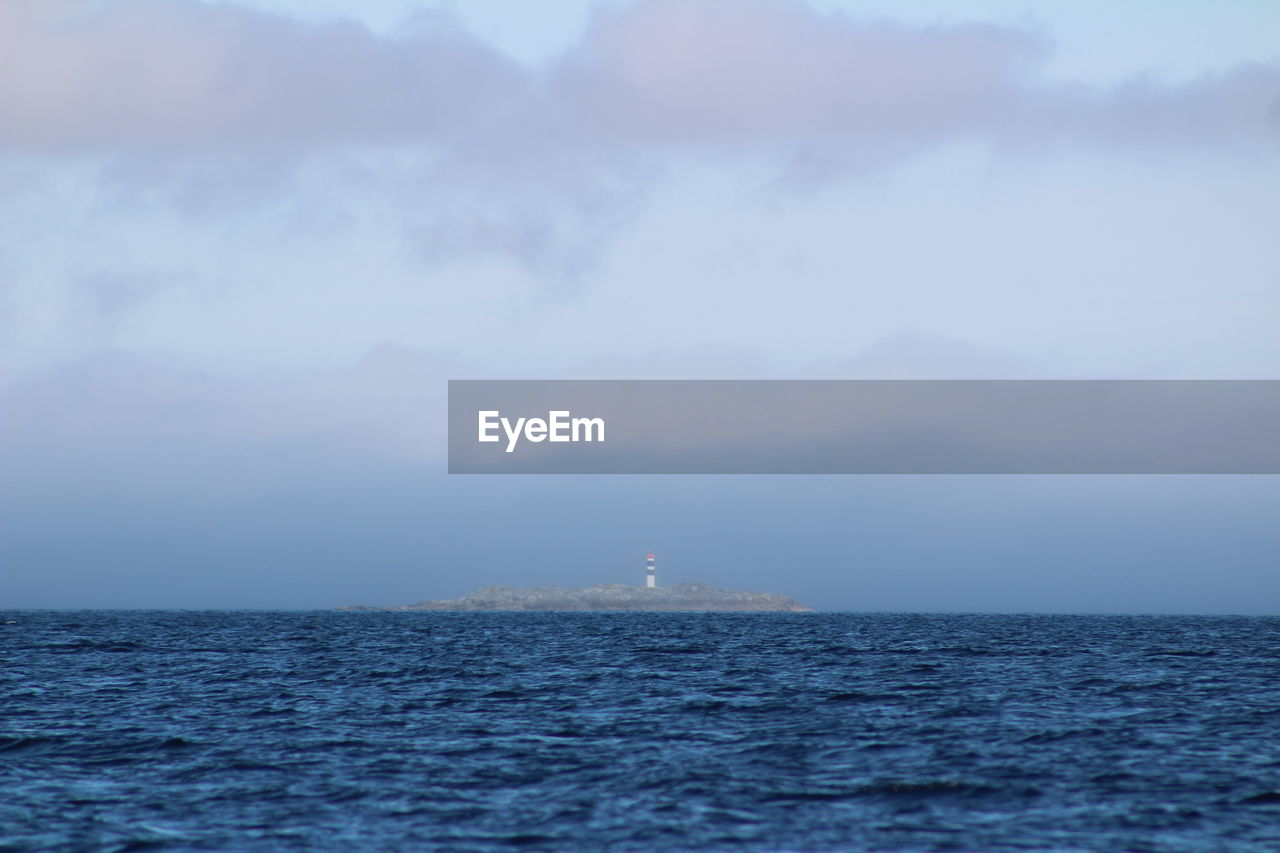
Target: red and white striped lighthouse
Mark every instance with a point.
(650, 581)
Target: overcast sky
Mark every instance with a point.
(243, 245)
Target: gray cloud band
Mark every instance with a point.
(77, 76)
(864, 427)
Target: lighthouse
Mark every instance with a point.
(650, 581)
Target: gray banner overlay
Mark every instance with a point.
(864, 427)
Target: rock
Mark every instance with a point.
(612, 597)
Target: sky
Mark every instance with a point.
(244, 245)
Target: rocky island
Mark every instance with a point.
(612, 597)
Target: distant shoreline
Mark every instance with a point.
(610, 598)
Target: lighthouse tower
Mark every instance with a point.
(649, 580)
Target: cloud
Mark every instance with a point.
(102, 298)
(389, 403)
(722, 70)
(738, 73)
(208, 109)
(828, 91)
(911, 354)
(559, 243)
(151, 72)
(112, 405)
(905, 354)
(1230, 109)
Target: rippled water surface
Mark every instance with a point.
(474, 731)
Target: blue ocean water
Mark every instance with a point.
(647, 732)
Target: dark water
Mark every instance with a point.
(403, 731)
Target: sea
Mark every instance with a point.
(352, 731)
